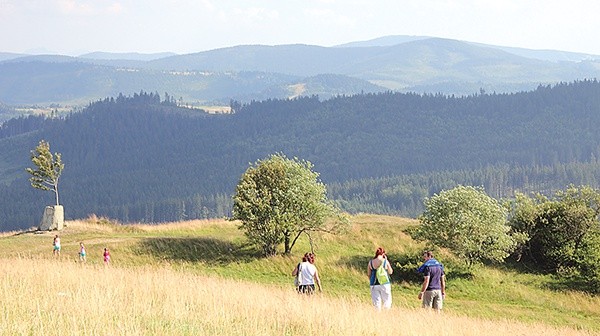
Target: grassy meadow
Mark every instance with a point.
(201, 277)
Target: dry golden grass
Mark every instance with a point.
(184, 225)
(44, 297)
(95, 224)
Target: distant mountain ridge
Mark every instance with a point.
(134, 56)
(402, 63)
(545, 54)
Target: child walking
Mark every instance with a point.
(106, 256)
(82, 254)
(56, 244)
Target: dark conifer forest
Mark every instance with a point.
(141, 158)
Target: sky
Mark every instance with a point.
(75, 27)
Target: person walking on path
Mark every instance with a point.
(106, 256)
(82, 253)
(56, 246)
(307, 274)
(433, 289)
(379, 270)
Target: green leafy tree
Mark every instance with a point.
(563, 231)
(278, 199)
(48, 169)
(469, 223)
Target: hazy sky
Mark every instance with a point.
(73, 27)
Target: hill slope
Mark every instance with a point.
(152, 258)
(137, 159)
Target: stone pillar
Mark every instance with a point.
(53, 219)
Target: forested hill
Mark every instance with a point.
(142, 159)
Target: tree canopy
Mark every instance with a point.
(469, 223)
(563, 231)
(49, 167)
(277, 199)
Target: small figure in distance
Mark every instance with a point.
(56, 246)
(433, 289)
(106, 256)
(379, 270)
(82, 254)
(308, 275)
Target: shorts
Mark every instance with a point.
(56, 247)
(306, 289)
(433, 299)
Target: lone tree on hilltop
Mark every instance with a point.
(278, 199)
(48, 168)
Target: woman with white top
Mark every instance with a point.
(307, 274)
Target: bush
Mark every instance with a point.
(469, 223)
(564, 232)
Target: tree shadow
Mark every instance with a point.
(523, 266)
(405, 267)
(31, 231)
(404, 270)
(553, 280)
(571, 284)
(459, 273)
(355, 262)
(198, 249)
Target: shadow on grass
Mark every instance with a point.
(519, 267)
(198, 249)
(573, 283)
(547, 279)
(31, 231)
(554, 281)
(405, 267)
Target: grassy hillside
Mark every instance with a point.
(202, 256)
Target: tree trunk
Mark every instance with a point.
(55, 189)
(286, 243)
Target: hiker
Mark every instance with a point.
(82, 254)
(433, 289)
(379, 270)
(56, 244)
(307, 274)
(106, 256)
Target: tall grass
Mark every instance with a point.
(195, 250)
(47, 297)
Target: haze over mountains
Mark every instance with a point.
(144, 158)
(401, 63)
(137, 152)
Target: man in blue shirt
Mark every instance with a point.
(433, 290)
